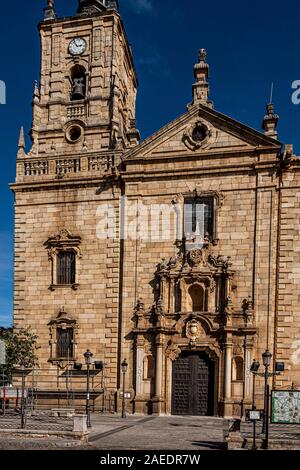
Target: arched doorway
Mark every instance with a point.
(193, 384)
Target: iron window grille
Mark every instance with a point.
(65, 343)
(66, 268)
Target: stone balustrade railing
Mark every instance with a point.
(31, 169)
(76, 111)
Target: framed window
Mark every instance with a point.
(63, 330)
(64, 343)
(66, 268)
(199, 217)
(64, 254)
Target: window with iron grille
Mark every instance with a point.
(66, 268)
(64, 343)
(199, 216)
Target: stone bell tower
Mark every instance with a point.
(83, 122)
(88, 84)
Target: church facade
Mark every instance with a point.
(180, 253)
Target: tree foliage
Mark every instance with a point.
(20, 349)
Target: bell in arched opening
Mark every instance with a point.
(78, 79)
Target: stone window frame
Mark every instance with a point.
(179, 202)
(56, 244)
(62, 321)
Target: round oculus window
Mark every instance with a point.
(74, 133)
(199, 133)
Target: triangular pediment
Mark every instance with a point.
(223, 135)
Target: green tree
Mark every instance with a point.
(20, 349)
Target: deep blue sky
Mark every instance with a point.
(250, 44)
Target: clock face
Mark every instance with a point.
(77, 46)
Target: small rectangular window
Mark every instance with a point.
(199, 217)
(64, 343)
(66, 268)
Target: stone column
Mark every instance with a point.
(139, 354)
(247, 392)
(172, 295)
(247, 366)
(227, 376)
(157, 400)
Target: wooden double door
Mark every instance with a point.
(193, 384)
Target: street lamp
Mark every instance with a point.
(279, 367)
(88, 360)
(267, 357)
(254, 369)
(124, 366)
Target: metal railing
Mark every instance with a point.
(59, 388)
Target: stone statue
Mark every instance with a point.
(78, 92)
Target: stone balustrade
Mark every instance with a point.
(76, 111)
(32, 169)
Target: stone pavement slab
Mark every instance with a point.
(158, 433)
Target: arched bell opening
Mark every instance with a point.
(78, 81)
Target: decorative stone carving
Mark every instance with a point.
(248, 311)
(139, 312)
(193, 331)
(63, 320)
(228, 311)
(220, 261)
(238, 349)
(63, 241)
(173, 351)
(213, 285)
(196, 257)
(197, 135)
(159, 307)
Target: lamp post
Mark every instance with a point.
(124, 366)
(254, 369)
(279, 367)
(267, 357)
(88, 360)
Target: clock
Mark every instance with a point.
(77, 46)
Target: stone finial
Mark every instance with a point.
(288, 156)
(201, 87)
(21, 144)
(36, 93)
(133, 134)
(140, 307)
(49, 11)
(202, 55)
(270, 122)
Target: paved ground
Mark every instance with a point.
(146, 433)
(185, 433)
(137, 433)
